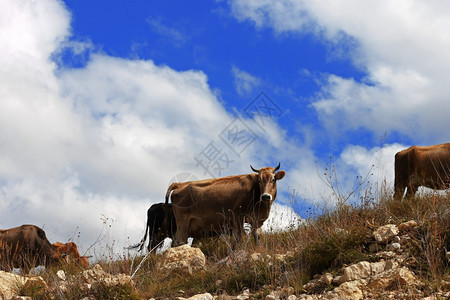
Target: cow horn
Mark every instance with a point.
(254, 170)
(276, 169)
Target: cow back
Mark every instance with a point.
(422, 166)
(215, 205)
(25, 247)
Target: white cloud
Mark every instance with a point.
(346, 176)
(280, 15)
(86, 151)
(378, 162)
(143, 120)
(402, 47)
(244, 82)
(177, 38)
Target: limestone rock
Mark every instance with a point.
(97, 274)
(35, 283)
(377, 267)
(385, 233)
(256, 256)
(319, 283)
(391, 264)
(357, 271)
(327, 278)
(348, 290)
(244, 296)
(9, 283)
(407, 226)
(402, 276)
(284, 293)
(205, 296)
(61, 275)
(394, 247)
(183, 259)
(282, 258)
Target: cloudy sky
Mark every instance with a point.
(104, 103)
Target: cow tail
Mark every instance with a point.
(165, 226)
(401, 170)
(169, 190)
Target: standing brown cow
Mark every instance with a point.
(222, 204)
(422, 166)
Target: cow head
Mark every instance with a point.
(267, 180)
(69, 251)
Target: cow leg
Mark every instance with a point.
(398, 194)
(182, 234)
(255, 233)
(26, 265)
(411, 191)
(237, 232)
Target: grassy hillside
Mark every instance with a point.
(329, 239)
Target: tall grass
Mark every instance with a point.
(327, 240)
(323, 243)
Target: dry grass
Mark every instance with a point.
(326, 241)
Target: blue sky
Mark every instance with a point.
(104, 103)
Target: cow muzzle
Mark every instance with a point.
(266, 197)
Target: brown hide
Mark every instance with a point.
(70, 250)
(222, 204)
(25, 247)
(422, 166)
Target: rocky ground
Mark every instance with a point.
(392, 275)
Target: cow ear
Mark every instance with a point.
(280, 175)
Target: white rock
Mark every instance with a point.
(184, 259)
(205, 296)
(347, 290)
(406, 226)
(8, 284)
(377, 267)
(385, 233)
(61, 275)
(394, 247)
(357, 271)
(327, 278)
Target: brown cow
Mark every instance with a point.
(70, 250)
(422, 166)
(222, 204)
(27, 246)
